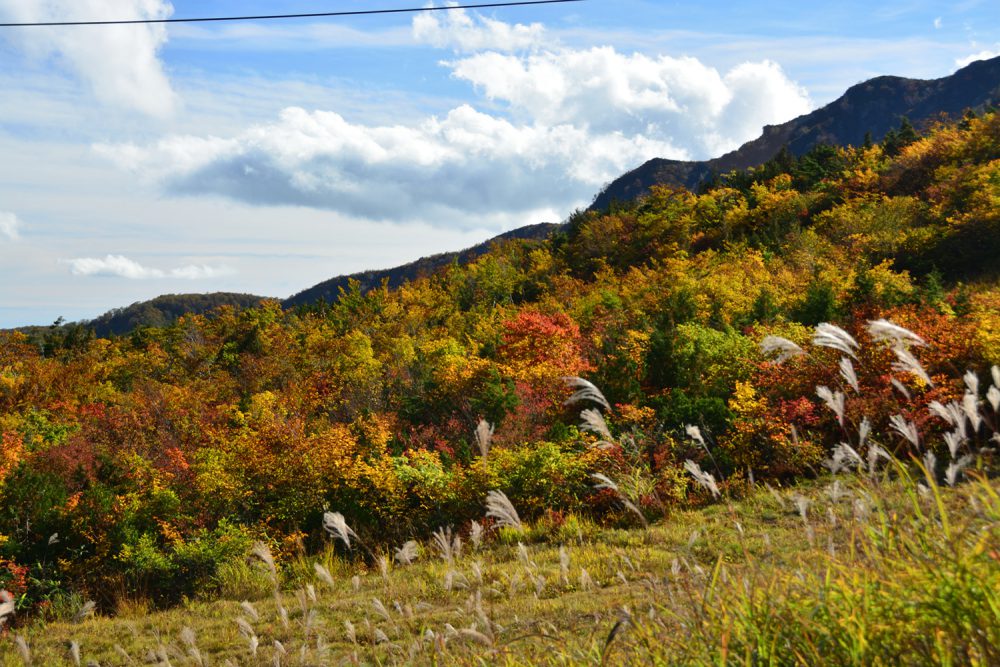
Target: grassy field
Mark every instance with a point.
(845, 571)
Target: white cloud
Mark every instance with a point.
(569, 121)
(9, 225)
(937, 23)
(118, 62)
(680, 100)
(985, 54)
(458, 30)
(123, 267)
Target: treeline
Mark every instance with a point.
(142, 463)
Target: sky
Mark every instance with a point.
(264, 157)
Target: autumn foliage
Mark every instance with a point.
(145, 461)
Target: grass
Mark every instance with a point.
(865, 572)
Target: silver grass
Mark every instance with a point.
(834, 400)
(993, 396)
(448, 545)
(475, 635)
(864, 430)
(901, 388)
(594, 422)
(311, 593)
(383, 566)
(279, 648)
(586, 583)
(406, 554)
(954, 440)
(244, 627)
(564, 565)
(930, 462)
(972, 382)
(885, 331)
(484, 437)
(522, 554)
(250, 610)
(604, 482)
(336, 525)
(253, 643)
(874, 454)
(190, 641)
(694, 433)
(323, 574)
(951, 413)
(7, 607)
(861, 510)
(381, 637)
(499, 507)
(380, 609)
(802, 505)
(847, 372)
(970, 406)
(123, 654)
(832, 336)
(703, 478)
(87, 609)
(356, 583)
(907, 363)
(74, 653)
(352, 635)
(23, 649)
(995, 372)
(263, 553)
(784, 348)
(905, 428)
(476, 534)
(955, 469)
(539, 582)
(842, 457)
(584, 391)
(53, 539)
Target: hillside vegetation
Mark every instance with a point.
(143, 470)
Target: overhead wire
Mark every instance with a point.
(268, 17)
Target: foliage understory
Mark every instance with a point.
(847, 570)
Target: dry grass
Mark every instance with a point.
(834, 573)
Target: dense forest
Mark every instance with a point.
(147, 461)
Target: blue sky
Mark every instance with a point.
(266, 157)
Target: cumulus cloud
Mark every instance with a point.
(119, 63)
(680, 99)
(123, 267)
(569, 120)
(455, 171)
(985, 54)
(456, 29)
(9, 225)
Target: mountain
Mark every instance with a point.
(873, 107)
(329, 290)
(164, 310)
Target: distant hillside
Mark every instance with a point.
(875, 106)
(164, 310)
(329, 290)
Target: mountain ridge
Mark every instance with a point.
(870, 108)
(874, 107)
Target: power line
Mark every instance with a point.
(290, 16)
